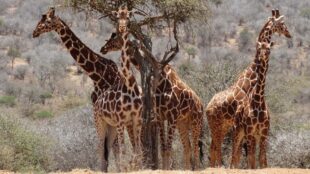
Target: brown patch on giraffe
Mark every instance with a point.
(94, 77)
(137, 103)
(84, 52)
(127, 108)
(265, 132)
(89, 66)
(261, 117)
(65, 38)
(132, 80)
(69, 44)
(127, 99)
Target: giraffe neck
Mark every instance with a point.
(257, 67)
(264, 36)
(259, 90)
(125, 64)
(266, 33)
(102, 71)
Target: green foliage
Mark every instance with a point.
(21, 150)
(43, 114)
(305, 12)
(13, 52)
(182, 10)
(7, 100)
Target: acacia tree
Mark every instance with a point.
(153, 15)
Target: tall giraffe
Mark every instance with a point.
(224, 106)
(175, 102)
(246, 118)
(254, 126)
(123, 15)
(115, 104)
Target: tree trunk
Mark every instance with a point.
(149, 129)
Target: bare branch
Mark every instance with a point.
(174, 50)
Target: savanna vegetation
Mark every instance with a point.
(46, 121)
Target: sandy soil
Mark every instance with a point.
(206, 171)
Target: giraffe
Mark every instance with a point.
(226, 105)
(254, 126)
(115, 104)
(174, 102)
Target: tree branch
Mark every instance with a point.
(174, 50)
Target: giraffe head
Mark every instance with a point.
(263, 50)
(277, 24)
(122, 15)
(115, 43)
(47, 23)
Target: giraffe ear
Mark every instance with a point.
(114, 13)
(259, 44)
(280, 19)
(51, 12)
(130, 13)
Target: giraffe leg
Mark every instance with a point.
(120, 138)
(251, 143)
(196, 132)
(217, 146)
(217, 137)
(101, 128)
(137, 127)
(262, 152)
(183, 128)
(112, 141)
(171, 130)
(131, 135)
(236, 151)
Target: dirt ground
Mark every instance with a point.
(206, 171)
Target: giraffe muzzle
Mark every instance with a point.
(35, 34)
(103, 50)
(288, 35)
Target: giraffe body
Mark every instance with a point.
(115, 104)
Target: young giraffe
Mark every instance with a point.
(115, 104)
(255, 123)
(175, 102)
(224, 106)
